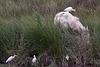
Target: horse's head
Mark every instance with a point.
(85, 34)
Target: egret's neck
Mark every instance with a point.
(14, 56)
(34, 56)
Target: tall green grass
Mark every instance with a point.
(35, 34)
(26, 32)
(28, 35)
(91, 19)
(16, 8)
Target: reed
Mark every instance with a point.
(27, 28)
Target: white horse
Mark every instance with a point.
(65, 19)
(60, 18)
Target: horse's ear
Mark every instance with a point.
(87, 28)
(80, 31)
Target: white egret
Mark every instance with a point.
(11, 58)
(69, 9)
(34, 59)
(67, 57)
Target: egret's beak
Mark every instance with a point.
(73, 10)
(16, 55)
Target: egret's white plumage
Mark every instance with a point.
(10, 58)
(69, 9)
(34, 59)
(67, 57)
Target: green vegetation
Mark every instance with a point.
(27, 28)
(2, 65)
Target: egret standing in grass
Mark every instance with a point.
(67, 57)
(11, 58)
(34, 59)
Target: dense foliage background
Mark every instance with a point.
(27, 28)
